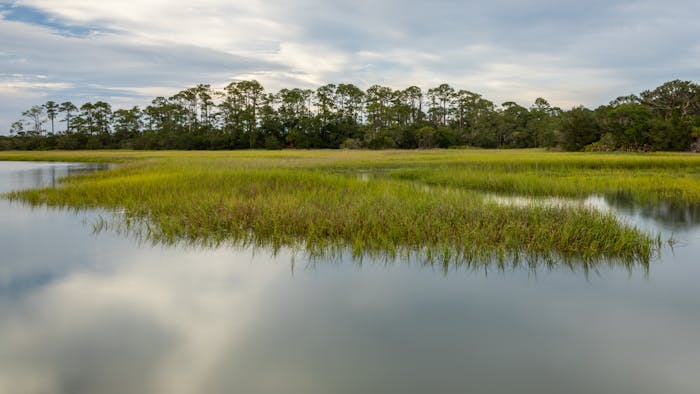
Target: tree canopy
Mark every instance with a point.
(244, 115)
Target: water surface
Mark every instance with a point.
(86, 312)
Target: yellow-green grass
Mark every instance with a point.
(428, 202)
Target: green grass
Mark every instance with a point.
(426, 202)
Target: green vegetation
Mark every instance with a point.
(385, 203)
(244, 116)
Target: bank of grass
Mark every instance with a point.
(429, 202)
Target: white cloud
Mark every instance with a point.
(20, 86)
(570, 53)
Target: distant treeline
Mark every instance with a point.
(243, 116)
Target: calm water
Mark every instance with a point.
(99, 313)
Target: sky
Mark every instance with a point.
(127, 52)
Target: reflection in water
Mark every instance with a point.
(101, 313)
(622, 204)
(142, 232)
(592, 202)
(670, 215)
(24, 175)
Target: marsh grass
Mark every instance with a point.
(405, 202)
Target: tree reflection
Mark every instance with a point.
(677, 216)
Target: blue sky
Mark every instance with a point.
(127, 52)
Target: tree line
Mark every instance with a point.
(244, 116)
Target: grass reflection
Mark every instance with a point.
(425, 203)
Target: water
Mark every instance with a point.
(85, 312)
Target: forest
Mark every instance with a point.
(244, 116)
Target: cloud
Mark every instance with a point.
(18, 84)
(100, 66)
(569, 52)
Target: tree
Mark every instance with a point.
(440, 97)
(678, 96)
(628, 122)
(35, 118)
(206, 103)
(326, 102)
(243, 115)
(240, 107)
(51, 111)
(480, 119)
(414, 95)
(543, 123)
(463, 100)
(294, 114)
(579, 128)
(425, 136)
(102, 113)
(402, 110)
(188, 100)
(68, 108)
(271, 126)
(378, 107)
(127, 123)
(514, 131)
(85, 122)
(350, 101)
(17, 128)
(629, 99)
(672, 134)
